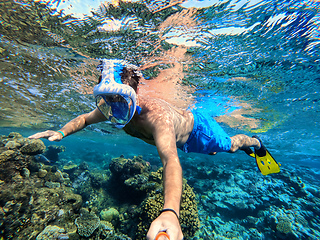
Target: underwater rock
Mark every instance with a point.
(13, 145)
(98, 179)
(284, 225)
(126, 168)
(247, 205)
(33, 147)
(26, 205)
(52, 184)
(87, 223)
(255, 234)
(12, 164)
(52, 232)
(60, 177)
(291, 223)
(105, 229)
(83, 166)
(82, 185)
(51, 174)
(133, 177)
(74, 199)
(12, 141)
(42, 173)
(137, 181)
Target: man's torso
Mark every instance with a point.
(153, 110)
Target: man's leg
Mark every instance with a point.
(243, 142)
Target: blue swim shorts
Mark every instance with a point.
(207, 136)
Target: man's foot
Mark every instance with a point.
(262, 151)
(249, 151)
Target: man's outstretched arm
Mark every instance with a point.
(165, 140)
(73, 126)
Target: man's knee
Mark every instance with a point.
(233, 149)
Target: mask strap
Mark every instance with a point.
(138, 109)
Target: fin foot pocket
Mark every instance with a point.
(249, 152)
(262, 151)
(265, 162)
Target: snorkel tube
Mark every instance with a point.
(111, 85)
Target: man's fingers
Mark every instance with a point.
(34, 136)
(53, 138)
(50, 135)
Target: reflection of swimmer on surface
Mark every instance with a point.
(156, 122)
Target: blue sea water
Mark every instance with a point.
(252, 65)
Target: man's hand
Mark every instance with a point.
(168, 222)
(49, 134)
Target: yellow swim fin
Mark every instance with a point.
(265, 162)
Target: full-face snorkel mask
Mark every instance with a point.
(115, 100)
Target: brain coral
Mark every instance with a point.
(284, 225)
(33, 147)
(87, 223)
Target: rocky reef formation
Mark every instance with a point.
(65, 199)
(42, 200)
(243, 204)
(144, 188)
(32, 195)
(16, 154)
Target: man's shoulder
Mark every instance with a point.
(155, 104)
(156, 108)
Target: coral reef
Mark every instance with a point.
(131, 177)
(16, 153)
(152, 205)
(243, 204)
(43, 201)
(32, 195)
(71, 201)
(52, 232)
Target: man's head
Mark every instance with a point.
(130, 74)
(116, 92)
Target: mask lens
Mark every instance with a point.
(115, 108)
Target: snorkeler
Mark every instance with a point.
(161, 124)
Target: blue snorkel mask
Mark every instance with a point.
(115, 100)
